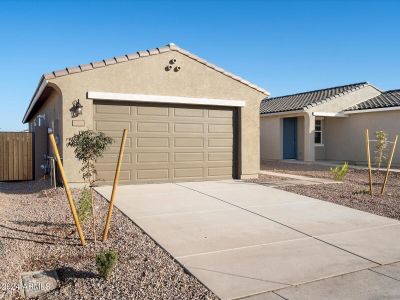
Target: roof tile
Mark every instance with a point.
(73, 70)
(59, 73)
(49, 76)
(153, 51)
(86, 67)
(305, 100)
(110, 61)
(121, 58)
(98, 64)
(386, 99)
(143, 53)
(133, 56)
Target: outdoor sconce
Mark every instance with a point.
(76, 108)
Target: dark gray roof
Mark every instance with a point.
(386, 99)
(307, 99)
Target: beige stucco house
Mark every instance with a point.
(187, 119)
(328, 124)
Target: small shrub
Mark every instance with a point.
(105, 262)
(85, 205)
(339, 173)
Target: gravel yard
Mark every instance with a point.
(353, 192)
(37, 232)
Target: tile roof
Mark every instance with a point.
(306, 100)
(384, 100)
(144, 53)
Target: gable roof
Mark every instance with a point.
(144, 53)
(306, 100)
(384, 100)
(124, 58)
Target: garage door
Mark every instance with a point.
(167, 143)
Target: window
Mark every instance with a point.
(318, 132)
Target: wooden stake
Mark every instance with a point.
(369, 160)
(389, 165)
(116, 178)
(93, 216)
(67, 190)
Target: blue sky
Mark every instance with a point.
(283, 46)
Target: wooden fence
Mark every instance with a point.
(16, 149)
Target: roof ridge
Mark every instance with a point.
(391, 91)
(318, 90)
(143, 53)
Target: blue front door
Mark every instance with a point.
(289, 138)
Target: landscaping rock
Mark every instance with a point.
(37, 283)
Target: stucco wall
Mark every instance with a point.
(344, 137)
(271, 138)
(147, 75)
(52, 111)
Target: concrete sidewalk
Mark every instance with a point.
(247, 240)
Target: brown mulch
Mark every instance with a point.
(353, 192)
(37, 232)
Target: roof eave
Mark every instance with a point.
(38, 92)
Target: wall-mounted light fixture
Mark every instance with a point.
(76, 108)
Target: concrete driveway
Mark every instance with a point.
(245, 240)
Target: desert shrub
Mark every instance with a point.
(85, 205)
(105, 262)
(339, 172)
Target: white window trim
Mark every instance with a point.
(322, 132)
(164, 99)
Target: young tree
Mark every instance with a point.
(89, 146)
(380, 148)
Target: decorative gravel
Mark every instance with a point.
(353, 192)
(37, 232)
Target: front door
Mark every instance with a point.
(290, 138)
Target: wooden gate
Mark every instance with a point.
(16, 150)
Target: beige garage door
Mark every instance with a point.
(166, 144)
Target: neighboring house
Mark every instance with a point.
(187, 119)
(328, 124)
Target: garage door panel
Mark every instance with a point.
(180, 173)
(155, 174)
(227, 114)
(152, 127)
(152, 142)
(112, 109)
(220, 156)
(219, 171)
(220, 142)
(220, 128)
(188, 112)
(189, 156)
(148, 157)
(189, 142)
(189, 127)
(167, 143)
(112, 125)
(152, 111)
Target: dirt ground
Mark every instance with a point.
(37, 232)
(353, 192)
